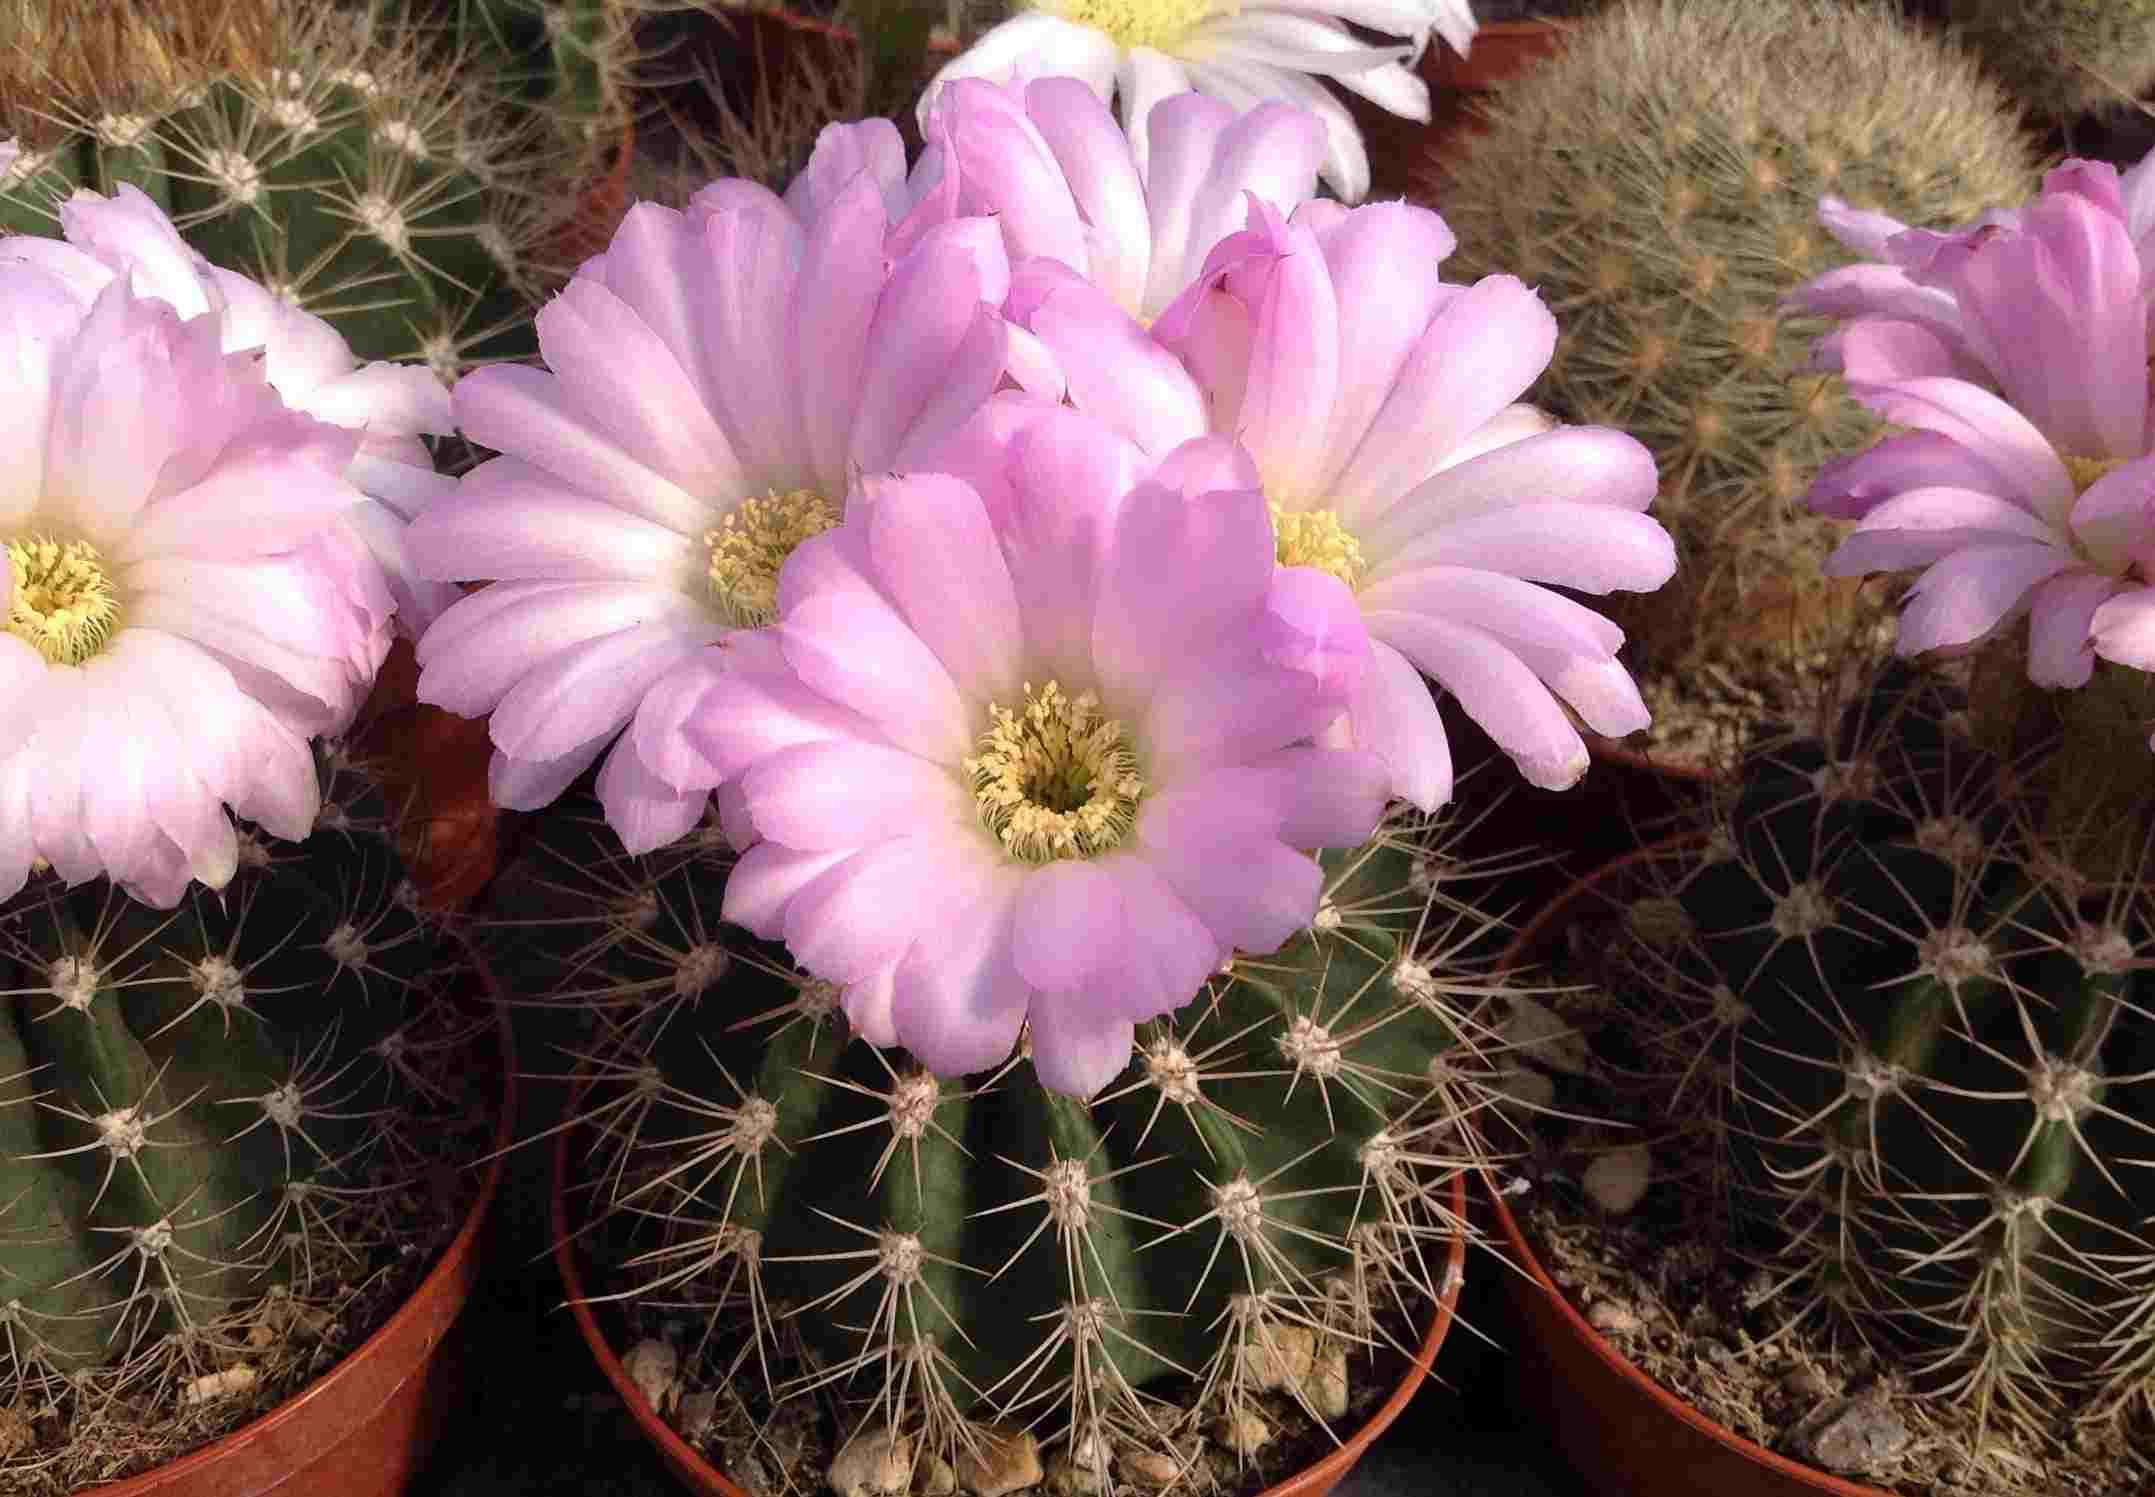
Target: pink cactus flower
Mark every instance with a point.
(307, 363)
(2022, 485)
(1036, 751)
(714, 381)
(1378, 404)
(180, 610)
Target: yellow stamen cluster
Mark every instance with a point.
(1162, 25)
(64, 605)
(2084, 471)
(1315, 538)
(1055, 778)
(752, 543)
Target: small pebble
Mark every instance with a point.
(874, 1463)
(999, 1462)
(1278, 1356)
(1242, 1429)
(653, 1366)
(693, 1414)
(1806, 1382)
(225, 1384)
(935, 1477)
(1854, 1436)
(1612, 1318)
(1326, 1385)
(1617, 1180)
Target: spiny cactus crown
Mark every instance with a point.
(2061, 58)
(1678, 150)
(1271, 1170)
(350, 167)
(1931, 1002)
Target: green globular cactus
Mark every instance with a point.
(1678, 150)
(2061, 58)
(206, 1113)
(1929, 979)
(951, 1258)
(343, 163)
(570, 59)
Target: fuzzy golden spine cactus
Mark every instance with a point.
(1677, 151)
(2061, 58)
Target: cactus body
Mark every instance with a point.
(199, 1106)
(1678, 152)
(954, 1255)
(352, 172)
(1932, 981)
(2061, 58)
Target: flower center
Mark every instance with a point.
(1055, 778)
(1315, 538)
(1162, 25)
(2084, 471)
(64, 604)
(752, 543)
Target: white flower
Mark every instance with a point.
(1139, 52)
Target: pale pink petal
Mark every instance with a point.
(626, 393)
(534, 784)
(660, 730)
(935, 553)
(510, 521)
(1206, 159)
(556, 442)
(383, 400)
(844, 793)
(864, 913)
(1103, 180)
(1116, 371)
(1143, 77)
(1205, 464)
(22, 670)
(2061, 616)
(1478, 354)
(1383, 261)
(1995, 433)
(592, 685)
(127, 231)
(1317, 797)
(844, 152)
(1077, 1050)
(747, 715)
(2114, 518)
(2123, 629)
(1571, 465)
(1495, 688)
(655, 264)
(834, 302)
(929, 307)
(747, 318)
(644, 811)
(1224, 858)
(478, 650)
(957, 999)
(1295, 361)
(1503, 605)
(1963, 597)
(1032, 43)
(1594, 548)
(1177, 572)
(869, 1007)
(1393, 715)
(1847, 487)
(765, 880)
(858, 652)
(1070, 926)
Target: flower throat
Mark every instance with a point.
(1055, 778)
(64, 606)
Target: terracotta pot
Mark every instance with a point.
(365, 1427)
(1624, 1433)
(701, 1476)
(431, 765)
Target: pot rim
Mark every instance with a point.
(1524, 1257)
